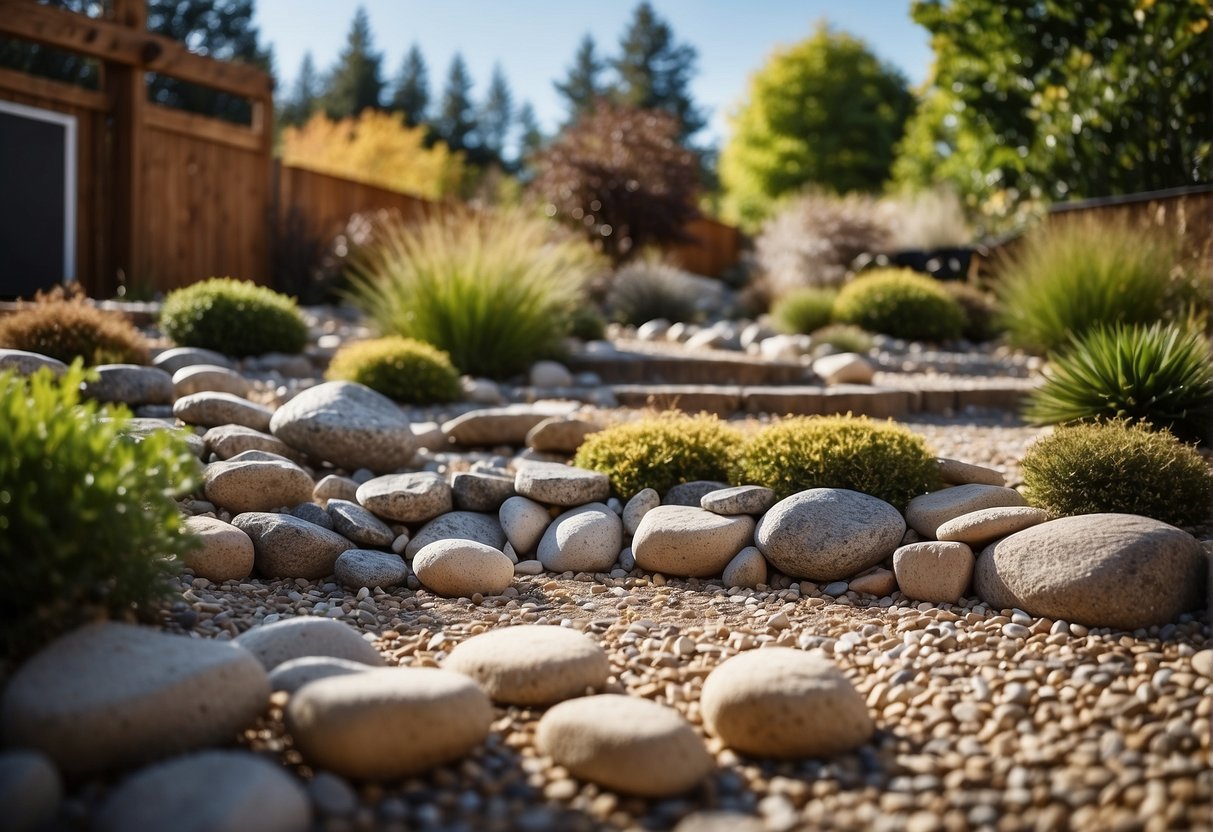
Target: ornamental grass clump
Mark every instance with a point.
(234, 317)
(648, 289)
(661, 452)
(877, 458)
(400, 368)
(1161, 375)
(495, 290)
(64, 325)
(1119, 467)
(901, 304)
(88, 524)
(804, 311)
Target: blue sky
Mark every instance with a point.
(534, 40)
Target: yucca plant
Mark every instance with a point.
(1161, 375)
(493, 289)
(804, 310)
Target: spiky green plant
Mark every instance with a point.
(1161, 375)
(493, 289)
(234, 317)
(900, 303)
(400, 368)
(804, 310)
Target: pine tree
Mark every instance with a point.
(496, 115)
(581, 89)
(456, 120)
(299, 105)
(655, 71)
(530, 136)
(412, 93)
(356, 82)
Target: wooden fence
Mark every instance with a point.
(714, 248)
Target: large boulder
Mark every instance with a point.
(347, 424)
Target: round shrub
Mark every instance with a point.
(804, 311)
(587, 323)
(844, 338)
(661, 452)
(647, 290)
(66, 326)
(902, 304)
(980, 310)
(234, 317)
(877, 458)
(88, 525)
(399, 368)
(1118, 467)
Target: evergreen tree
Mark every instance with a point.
(530, 136)
(412, 93)
(356, 82)
(581, 89)
(299, 105)
(655, 71)
(496, 115)
(456, 120)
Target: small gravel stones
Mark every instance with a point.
(641, 504)
(347, 424)
(560, 434)
(208, 791)
(937, 572)
(785, 704)
(561, 485)
(977, 528)
(828, 534)
(202, 378)
(747, 569)
(294, 638)
(359, 525)
(30, 790)
(390, 723)
(243, 484)
(531, 665)
(131, 384)
(476, 491)
(691, 493)
(844, 368)
(214, 409)
(583, 539)
(356, 568)
(689, 542)
(458, 525)
(926, 513)
(508, 425)
(740, 499)
(111, 695)
(460, 568)
(224, 553)
(1100, 570)
(226, 441)
(955, 472)
(625, 743)
(524, 521)
(287, 547)
(27, 363)
(294, 674)
(407, 498)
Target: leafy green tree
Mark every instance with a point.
(655, 71)
(411, 95)
(496, 116)
(456, 119)
(301, 103)
(824, 112)
(1055, 100)
(356, 82)
(581, 89)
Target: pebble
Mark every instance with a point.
(878, 582)
(550, 374)
(509, 425)
(30, 787)
(560, 434)
(335, 487)
(313, 513)
(331, 795)
(461, 568)
(295, 673)
(130, 384)
(844, 368)
(531, 665)
(986, 525)
(407, 498)
(245, 484)
(27, 363)
(689, 542)
(287, 547)
(691, 493)
(356, 523)
(294, 638)
(357, 568)
(524, 521)
(226, 441)
(955, 472)
(747, 569)
(741, 499)
(458, 525)
(583, 539)
(641, 503)
(214, 409)
(935, 572)
(561, 485)
(926, 513)
(173, 359)
(203, 378)
(474, 491)
(223, 553)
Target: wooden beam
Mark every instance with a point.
(202, 127)
(119, 44)
(69, 94)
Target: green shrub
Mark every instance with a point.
(64, 325)
(1118, 467)
(980, 310)
(661, 452)
(494, 290)
(1065, 279)
(399, 368)
(900, 303)
(88, 525)
(804, 311)
(234, 317)
(844, 338)
(649, 289)
(587, 323)
(877, 458)
(1161, 374)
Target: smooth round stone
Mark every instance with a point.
(828, 534)
(109, 695)
(583, 539)
(461, 568)
(955, 472)
(213, 409)
(172, 360)
(203, 378)
(878, 582)
(927, 512)
(524, 521)
(27, 363)
(388, 724)
(1098, 570)
(357, 568)
(227, 441)
(294, 674)
(335, 487)
(347, 424)
(689, 542)
(531, 665)
(359, 525)
(509, 425)
(691, 493)
(208, 791)
(747, 569)
(313, 513)
(642, 502)
(287, 547)
(560, 434)
(549, 374)
(131, 384)
(844, 368)
(458, 525)
(626, 744)
(294, 638)
(785, 704)
(562, 485)
(977, 528)
(244, 484)
(476, 491)
(139, 428)
(741, 499)
(224, 553)
(406, 498)
(30, 790)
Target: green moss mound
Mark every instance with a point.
(66, 326)
(400, 368)
(234, 317)
(877, 458)
(901, 304)
(804, 311)
(1118, 467)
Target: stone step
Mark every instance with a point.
(716, 368)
